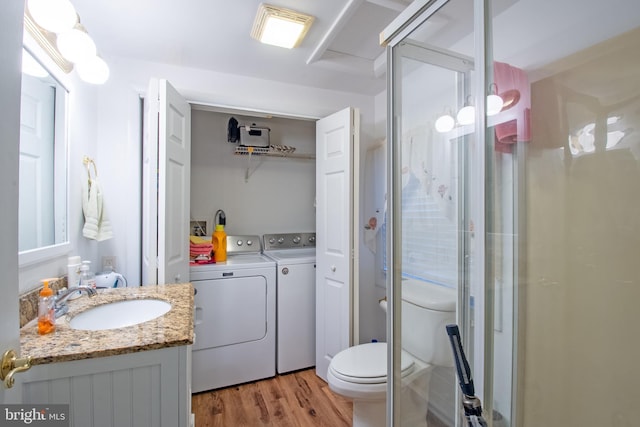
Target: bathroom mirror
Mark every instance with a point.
(42, 206)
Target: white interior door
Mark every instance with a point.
(336, 222)
(11, 48)
(166, 185)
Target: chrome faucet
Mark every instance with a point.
(60, 305)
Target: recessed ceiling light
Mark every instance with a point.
(280, 27)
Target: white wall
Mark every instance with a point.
(278, 195)
(380, 117)
(118, 155)
(209, 87)
(373, 324)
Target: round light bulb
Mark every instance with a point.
(444, 123)
(466, 115)
(56, 16)
(76, 45)
(494, 104)
(93, 70)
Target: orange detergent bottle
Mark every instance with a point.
(219, 241)
(46, 314)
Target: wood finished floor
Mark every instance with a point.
(298, 399)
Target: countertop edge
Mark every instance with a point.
(44, 360)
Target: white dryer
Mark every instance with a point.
(235, 321)
(295, 257)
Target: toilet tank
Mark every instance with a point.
(426, 310)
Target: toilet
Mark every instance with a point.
(359, 373)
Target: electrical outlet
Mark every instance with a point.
(199, 228)
(109, 263)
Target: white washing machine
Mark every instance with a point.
(235, 317)
(295, 257)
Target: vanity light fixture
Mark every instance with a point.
(93, 70)
(445, 122)
(467, 114)
(47, 41)
(280, 27)
(68, 44)
(76, 45)
(494, 101)
(55, 16)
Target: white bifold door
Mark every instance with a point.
(336, 246)
(166, 185)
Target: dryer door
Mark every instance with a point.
(230, 311)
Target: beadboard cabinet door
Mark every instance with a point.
(145, 389)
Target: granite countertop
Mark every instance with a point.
(175, 328)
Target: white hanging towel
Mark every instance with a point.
(96, 224)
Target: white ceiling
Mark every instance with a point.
(338, 52)
(341, 50)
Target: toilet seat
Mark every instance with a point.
(367, 364)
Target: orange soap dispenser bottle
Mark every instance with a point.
(46, 313)
(219, 238)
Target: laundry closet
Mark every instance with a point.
(252, 169)
(259, 193)
(301, 184)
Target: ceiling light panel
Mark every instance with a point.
(280, 27)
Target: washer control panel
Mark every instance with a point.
(288, 241)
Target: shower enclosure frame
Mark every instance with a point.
(393, 38)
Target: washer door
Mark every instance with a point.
(230, 311)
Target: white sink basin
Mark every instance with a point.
(119, 314)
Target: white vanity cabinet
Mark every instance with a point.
(145, 389)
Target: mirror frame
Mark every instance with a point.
(41, 254)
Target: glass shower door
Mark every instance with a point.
(434, 212)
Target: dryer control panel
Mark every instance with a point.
(243, 244)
